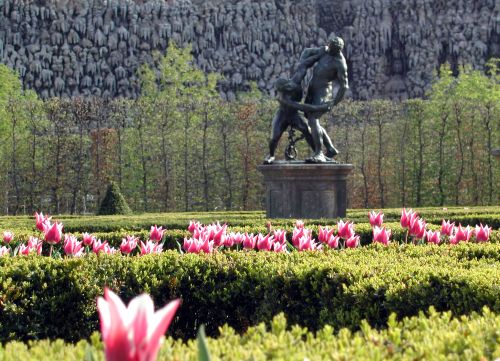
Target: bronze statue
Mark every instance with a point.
(330, 66)
(290, 94)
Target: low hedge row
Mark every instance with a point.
(433, 337)
(41, 297)
(179, 221)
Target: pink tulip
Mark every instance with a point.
(72, 247)
(193, 225)
(4, 251)
(447, 227)
(23, 250)
(232, 239)
(8, 236)
(249, 241)
(299, 223)
(407, 217)
(454, 239)
(156, 233)
(297, 234)
(462, 234)
(128, 244)
(34, 245)
(150, 247)
(417, 227)
(482, 233)
(192, 245)
(41, 220)
(280, 236)
(53, 233)
(352, 242)
(376, 219)
(333, 242)
(433, 237)
(207, 246)
(109, 250)
(88, 239)
(228, 240)
(325, 234)
(99, 246)
(219, 235)
(306, 243)
(279, 247)
(133, 333)
(345, 230)
(381, 235)
(265, 243)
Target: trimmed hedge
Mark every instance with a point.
(41, 297)
(433, 337)
(113, 202)
(180, 221)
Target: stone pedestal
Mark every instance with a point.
(300, 190)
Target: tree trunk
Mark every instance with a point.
(487, 124)
(225, 158)
(204, 161)
(379, 164)
(186, 194)
(144, 167)
(55, 187)
(442, 197)
(79, 168)
(458, 181)
(246, 170)
(15, 174)
(420, 168)
(403, 163)
(166, 173)
(363, 166)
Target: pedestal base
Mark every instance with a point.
(300, 190)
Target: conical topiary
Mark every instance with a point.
(114, 202)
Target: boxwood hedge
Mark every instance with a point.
(42, 297)
(433, 337)
(179, 221)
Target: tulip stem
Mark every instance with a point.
(50, 251)
(406, 238)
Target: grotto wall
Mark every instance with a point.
(94, 47)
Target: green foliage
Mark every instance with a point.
(55, 298)
(113, 202)
(430, 336)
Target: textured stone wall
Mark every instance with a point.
(393, 46)
(93, 47)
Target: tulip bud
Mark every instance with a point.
(8, 236)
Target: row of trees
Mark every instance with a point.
(180, 147)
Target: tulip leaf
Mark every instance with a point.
(89, 354)
(203, 354)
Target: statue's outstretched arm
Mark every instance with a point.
(305, 107)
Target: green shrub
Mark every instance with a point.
(55, 298)
(113, 202)
(433, 337)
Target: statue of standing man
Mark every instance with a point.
(329, 66)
